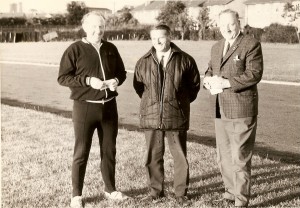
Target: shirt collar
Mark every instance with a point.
(97, 46)
(165, 54)
(232, 41)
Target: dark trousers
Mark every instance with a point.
(235, 142)
(155, 162)
(86, 118)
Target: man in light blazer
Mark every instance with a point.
(235, 68)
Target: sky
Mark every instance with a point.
(54, 6)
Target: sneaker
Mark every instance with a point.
(76, 202)
(115, 195)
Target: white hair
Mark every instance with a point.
(95, 13)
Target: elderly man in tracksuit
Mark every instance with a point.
(92, 68)
(167, 80)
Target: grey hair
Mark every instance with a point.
(96, 13)
(230, 11)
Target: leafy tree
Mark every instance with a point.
(125, 18)
(76, 10)
(174, 14)
(203, 20)
(290, 14)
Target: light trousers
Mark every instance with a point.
(235, 140)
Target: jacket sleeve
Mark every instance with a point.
(121, 73)
(209, 72)
(67, 71)
(138, 84)
(253, 71)
(193, 80)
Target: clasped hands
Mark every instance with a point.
(215, 84)
(98, 84)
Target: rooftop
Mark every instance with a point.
(266, 1)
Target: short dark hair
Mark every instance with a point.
(162, 27)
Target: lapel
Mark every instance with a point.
(232, 48)
(220, 51)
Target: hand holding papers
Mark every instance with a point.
(215, 84)
(111, 84)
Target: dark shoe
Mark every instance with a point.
(183, 201)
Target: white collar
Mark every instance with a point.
(232, 40)
(95, 45)
(165, 54)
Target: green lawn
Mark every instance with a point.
(36, 168)
(281, 61)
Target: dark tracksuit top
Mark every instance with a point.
(81, 60)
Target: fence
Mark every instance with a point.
(34, 33)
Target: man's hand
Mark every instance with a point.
(206, 81)
(216, 82)
(112, 84)
(96, 83)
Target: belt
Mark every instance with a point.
(100, 101)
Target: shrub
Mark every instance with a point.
(277, 33)
(254, 32)
(9, 21)
(212, 34)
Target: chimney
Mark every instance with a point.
(20, 7)
(13, 8)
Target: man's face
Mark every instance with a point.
(160, 40)
(229, 26)
(94, 27)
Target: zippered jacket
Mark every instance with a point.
(81, 60)
(165, 104)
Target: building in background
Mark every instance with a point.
(216, 6)
(147, 12)
(262, 13)
(255, 13)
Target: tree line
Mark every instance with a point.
(173, 13)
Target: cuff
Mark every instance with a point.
(88, 81)
(117, 80)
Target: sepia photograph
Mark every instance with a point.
(138, 103)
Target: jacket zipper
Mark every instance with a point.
(101, 66)
(161, 103)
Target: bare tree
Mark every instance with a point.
(203, 20)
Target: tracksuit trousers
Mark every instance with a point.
(154, 162)
(87, 117)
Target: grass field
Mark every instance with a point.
(37, 147)
(281, 61)
(36, 168)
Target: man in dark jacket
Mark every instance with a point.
(167, 80)
(92, 68)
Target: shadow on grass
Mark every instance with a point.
(262, 151)
(278, 200)
(268, 176)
